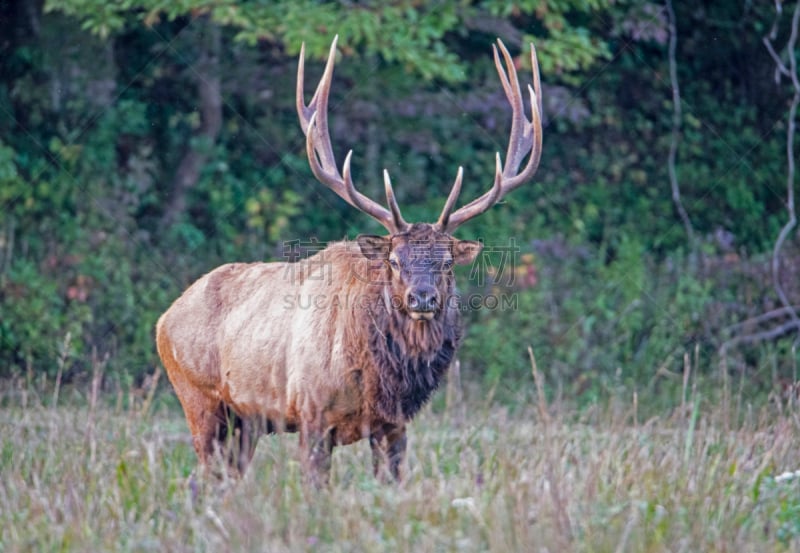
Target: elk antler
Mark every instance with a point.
(314, 122)
(526, 137)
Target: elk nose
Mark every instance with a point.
(422, 298)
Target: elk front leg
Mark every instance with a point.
(388, 445)
(317, 447)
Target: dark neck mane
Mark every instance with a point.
(407, 359)
(411, 357)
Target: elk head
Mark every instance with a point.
(419, 266)
(419, 257)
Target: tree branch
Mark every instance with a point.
(676, 128)
(793, 324)
(762, 318)
(496, 27)
(769, 334)
(790, 131)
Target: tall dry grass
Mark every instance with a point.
(90, 475)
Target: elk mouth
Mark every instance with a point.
(421, 315)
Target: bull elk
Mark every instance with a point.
(346, 344)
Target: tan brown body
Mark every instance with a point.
(286, 346)
(347, 344)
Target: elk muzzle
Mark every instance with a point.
(422, 302)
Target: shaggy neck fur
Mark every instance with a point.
(402, 360)
(411, 358)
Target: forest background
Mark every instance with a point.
(144, 142)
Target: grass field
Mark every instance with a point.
(83, 477)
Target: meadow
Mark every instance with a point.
(143, 143)
(83, 471)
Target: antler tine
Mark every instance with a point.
(441, 224)
(314, 123)
(399, 222)
(520, 142)
(319, 102)
(525, 138)
(537, 85)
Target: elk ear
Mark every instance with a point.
(465, 251)
(374, 247)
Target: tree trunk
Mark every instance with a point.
(207, 76)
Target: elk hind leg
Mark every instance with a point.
(204, 424)
(216, 429)
(201, 407)
(236, 439)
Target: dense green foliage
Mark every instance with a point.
(104, 116)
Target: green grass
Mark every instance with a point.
(479, 479)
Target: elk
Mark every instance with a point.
(348, 343)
